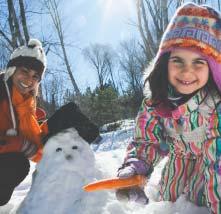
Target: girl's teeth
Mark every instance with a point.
(186, 82)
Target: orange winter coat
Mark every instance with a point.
(27, 125)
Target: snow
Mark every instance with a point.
(69, 163)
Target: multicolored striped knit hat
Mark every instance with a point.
(198, 28)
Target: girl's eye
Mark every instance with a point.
(200, 62)
(58, 149)
(176, 60)
(74, 147)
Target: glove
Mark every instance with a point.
(29, 149)
(130, 168)
(135, 194)
(70, 116)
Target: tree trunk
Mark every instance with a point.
(10, 20)
(77, 91)
(148, 51)
(23, 20)
(14, 25)
(53, 10)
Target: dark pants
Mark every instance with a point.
(14, 167)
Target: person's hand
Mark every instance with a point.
(29, 149)
(135, 194)
(130, 168)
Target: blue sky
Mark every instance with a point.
(95, 21)
(103, 21)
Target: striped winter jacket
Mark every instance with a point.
(191, 130)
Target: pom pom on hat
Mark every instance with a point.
(31, 56)
(34, 43)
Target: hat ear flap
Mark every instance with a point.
(9, 72)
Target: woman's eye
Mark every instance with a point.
(74, 147)
(36, 77)
(58, 149)
(25, 72)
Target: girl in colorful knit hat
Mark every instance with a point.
(21, 137)
(181, 119)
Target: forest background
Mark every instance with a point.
(117, 71)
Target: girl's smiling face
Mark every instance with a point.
(188, 71)
(25, 80)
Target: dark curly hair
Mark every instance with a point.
(158, 80)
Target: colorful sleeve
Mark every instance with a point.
(148, 143)
(212, 155)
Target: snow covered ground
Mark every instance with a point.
(108, 156)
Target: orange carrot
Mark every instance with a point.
(115, 183)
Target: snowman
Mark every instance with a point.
(67, 165)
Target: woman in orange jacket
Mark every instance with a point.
(20, 133)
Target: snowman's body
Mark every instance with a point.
(67, 165)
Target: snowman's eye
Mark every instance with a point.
(74, 147)
(58, 149)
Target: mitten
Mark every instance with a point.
(29, 149)
(70, 116)
(135, 194)
(133, 166)
(130, 168)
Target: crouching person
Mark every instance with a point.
(20, 133)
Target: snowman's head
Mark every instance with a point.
(68, 150)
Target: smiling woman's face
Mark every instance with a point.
(187, 71)
(25, 80)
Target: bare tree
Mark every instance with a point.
(200, 1)
(17, 38)
(23, 21)
(152, 20)
(132, 62)
(53, 91)
(13, 25)
(147, 38)
(101, 58)
(153, 17)
(53, 9)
